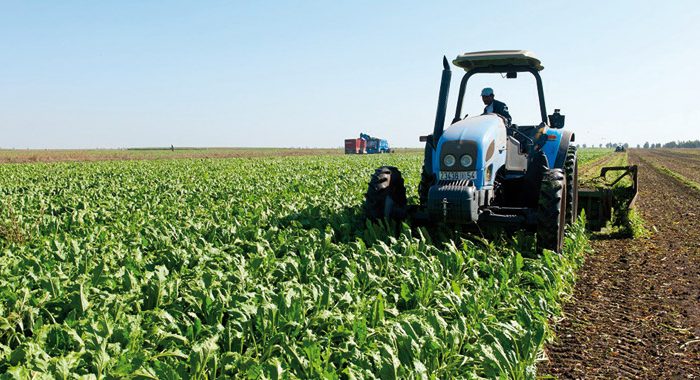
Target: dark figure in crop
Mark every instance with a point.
(493, 105)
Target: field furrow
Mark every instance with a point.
(685, 165)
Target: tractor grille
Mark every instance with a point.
(447, 185)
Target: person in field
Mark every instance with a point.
(493, 105)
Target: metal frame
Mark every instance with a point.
(600, 201)
(628, 170)
(496, 70)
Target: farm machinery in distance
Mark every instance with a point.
(484, 170)
(366, 144)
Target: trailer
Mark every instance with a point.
(355, 146)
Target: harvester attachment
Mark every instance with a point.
(600, 201)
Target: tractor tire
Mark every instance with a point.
(426, 180)
(551, 213)
(571, 170)
(386, 195)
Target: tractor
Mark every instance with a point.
(483, 170)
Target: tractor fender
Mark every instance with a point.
(566, 138)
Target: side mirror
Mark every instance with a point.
(556, 120)
(428, 140)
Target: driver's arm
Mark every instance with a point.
(506, 114)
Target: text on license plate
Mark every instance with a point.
(457, 175)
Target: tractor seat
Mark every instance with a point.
(525, 135)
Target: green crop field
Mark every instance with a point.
(586, 155)
(257, 268)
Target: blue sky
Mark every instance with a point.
(98, 74)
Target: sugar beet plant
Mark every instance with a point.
(258, 269)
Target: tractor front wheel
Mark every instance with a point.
(426, 180)
(552, 211)
(386, 195)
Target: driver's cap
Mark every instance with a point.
(487, 91)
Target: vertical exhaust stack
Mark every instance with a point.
(442, 100)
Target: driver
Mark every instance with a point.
(493, 105)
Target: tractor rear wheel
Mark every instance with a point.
(386, 195)
(551, 218)
(571, 169)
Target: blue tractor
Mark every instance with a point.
(375, 145)
(483, 170)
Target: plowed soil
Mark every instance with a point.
(635, 311)
(685, 164)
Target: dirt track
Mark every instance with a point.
(635, 312)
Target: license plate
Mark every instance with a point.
(454, 176)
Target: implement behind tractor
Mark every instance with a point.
(600, 201)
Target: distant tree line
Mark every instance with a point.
(683, 144)
(672, 144)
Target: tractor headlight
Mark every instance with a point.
(466, 160)
(449, 160)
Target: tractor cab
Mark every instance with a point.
(510, 63)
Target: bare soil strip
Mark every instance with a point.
(635, 312)
(674, 153)
(680, 163)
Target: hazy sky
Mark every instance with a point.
(99, 74)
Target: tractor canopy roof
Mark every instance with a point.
(498, 61)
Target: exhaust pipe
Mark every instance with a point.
(442, 100)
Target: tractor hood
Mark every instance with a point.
(481, 137)
(478, 128)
